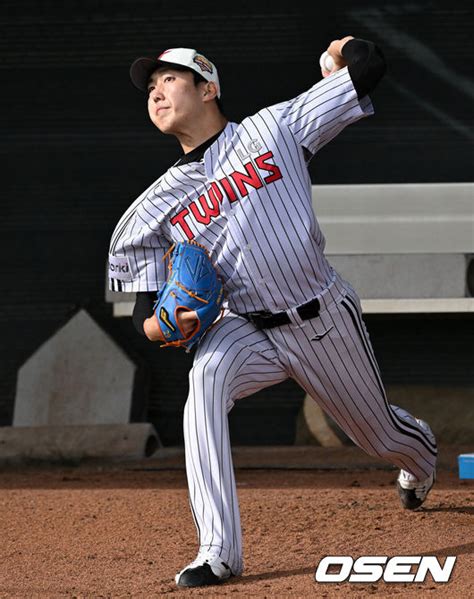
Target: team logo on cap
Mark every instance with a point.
(203, 63)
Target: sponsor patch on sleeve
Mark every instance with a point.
(119, 268)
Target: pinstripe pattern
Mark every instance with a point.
(233, 361)
(249, 201)
(338, 371)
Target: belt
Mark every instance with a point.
(267, 320)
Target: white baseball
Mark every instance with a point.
(326, 62)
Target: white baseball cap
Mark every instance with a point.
(142, 68)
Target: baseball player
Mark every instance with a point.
(243, 191)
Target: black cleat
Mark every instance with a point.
(413, 492)
(203, 575)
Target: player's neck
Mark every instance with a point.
(190, 140)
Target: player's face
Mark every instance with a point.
(173, 100)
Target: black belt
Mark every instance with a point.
(267, 320)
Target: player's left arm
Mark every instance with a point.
(144, 317)
(186, 320)
(319, 114)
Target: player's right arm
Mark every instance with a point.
(319, 114)
(365, 63)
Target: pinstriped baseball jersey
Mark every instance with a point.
(248, 201)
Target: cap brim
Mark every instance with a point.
(141, 70)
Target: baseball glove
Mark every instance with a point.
(192, 285)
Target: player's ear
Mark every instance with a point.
(209, 90)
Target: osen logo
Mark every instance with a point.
(371, 568)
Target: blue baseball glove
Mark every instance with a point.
(192, 285)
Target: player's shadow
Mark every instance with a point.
(247, 579)
(468, 509)
(466, 548)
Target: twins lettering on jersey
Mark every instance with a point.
(234, 186)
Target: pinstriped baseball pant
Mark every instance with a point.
(331, 358)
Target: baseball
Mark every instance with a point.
(326, 62)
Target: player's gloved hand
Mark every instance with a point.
(335, 51)
(187, 321)
(191, 300)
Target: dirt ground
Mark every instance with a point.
(124, 529)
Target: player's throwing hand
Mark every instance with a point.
(335, 52)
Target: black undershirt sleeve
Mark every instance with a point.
(143, 309)
(365, 63)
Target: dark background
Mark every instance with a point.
(77, 148)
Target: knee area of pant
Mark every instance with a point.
(208, 377)
(386, 451)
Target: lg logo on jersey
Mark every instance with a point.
(373, 567)
(252, 147)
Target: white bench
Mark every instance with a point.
(404, 248)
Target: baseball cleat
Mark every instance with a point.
(203, 572)
(413, 492)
